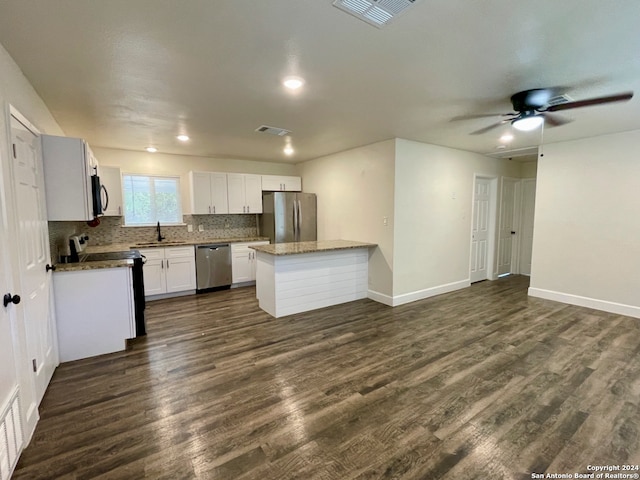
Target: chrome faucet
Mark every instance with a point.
(160, 237)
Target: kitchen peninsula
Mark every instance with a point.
(302, 276)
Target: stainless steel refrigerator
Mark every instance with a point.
(288, 217)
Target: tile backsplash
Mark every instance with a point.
(111, 230)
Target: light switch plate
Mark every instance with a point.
(201, 228)
(189, 228)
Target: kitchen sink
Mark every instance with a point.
(169, 243)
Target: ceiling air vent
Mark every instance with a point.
(375, 12)
(280, 132)
(557, 100)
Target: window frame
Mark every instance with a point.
(177, 179)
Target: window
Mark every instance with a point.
(149, 199)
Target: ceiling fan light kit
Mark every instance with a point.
(526, 123)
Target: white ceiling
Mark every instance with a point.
(129, 73)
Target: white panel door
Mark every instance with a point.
(526, 228)
(235, 190)
(507, 230)
(8, 332)
(200, 193)
(480, 230)
(34, 255)
(154, 278)
(253, 193)
(219, 201)
(180, 274)
(111, 180)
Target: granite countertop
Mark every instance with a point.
(74, 267)
(310, 247)
(120, 247)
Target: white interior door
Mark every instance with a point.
(526, 227)
(33, 254)
(11, 429)
(480, 230)
(507, 230)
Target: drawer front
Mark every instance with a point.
(179, 252)
(152, 253)
(244, 246)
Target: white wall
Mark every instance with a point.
(586, 244)
(528, 169)
(433, 207)
(16, 90)
(355, 192)
(166, 164)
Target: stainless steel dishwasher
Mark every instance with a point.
(213, 266)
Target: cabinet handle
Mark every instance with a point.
(167, 264)
(244, 209)
(214, 209)
(248, 209)
(209, 208)
(162, 264)
(119, 210)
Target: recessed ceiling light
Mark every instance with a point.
(151, 149)
(506, 138)
(288, 150)
(183, 138)
(293, 83)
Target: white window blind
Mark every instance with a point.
(149, 199)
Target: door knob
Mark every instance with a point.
(8, 298)
(50, 267)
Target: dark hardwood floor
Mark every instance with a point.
(482, 383)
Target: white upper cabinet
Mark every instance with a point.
(279, 183)
(208, 193)
(68, 167)
(244, 193)
(111, 179)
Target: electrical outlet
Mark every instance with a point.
(189, 228)
(385, 221)
(201, 228)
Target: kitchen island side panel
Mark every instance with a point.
(299, 283)
(94, 311)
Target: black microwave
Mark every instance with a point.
(100, 204)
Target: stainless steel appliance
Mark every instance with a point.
(213, 266)
(289, 217)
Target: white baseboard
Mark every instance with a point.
(417, 295)
(380, 297)
(604, 305)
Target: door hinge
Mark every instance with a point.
(35, 365)
(14, 151)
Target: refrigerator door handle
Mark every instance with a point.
(295, 221)
(299, 218)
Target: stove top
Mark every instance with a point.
(96, 257)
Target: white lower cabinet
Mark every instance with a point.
(169, 270)
(243, 262)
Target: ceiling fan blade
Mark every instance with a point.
(490, 127)
(621, 97)
(555, 120)
(482, 115)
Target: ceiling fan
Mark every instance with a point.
(532, 109)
